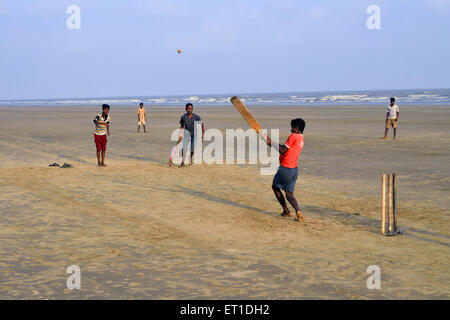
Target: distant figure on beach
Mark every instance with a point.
(102, 121)
(287, 173)
(391, 118)
(187, 122)
(142, 117)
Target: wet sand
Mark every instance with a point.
(141, 230)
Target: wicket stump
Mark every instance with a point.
(389, 217)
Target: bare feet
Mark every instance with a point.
(285, 213)
(384, 138)
(300, 217)
(182, 164)
(103, 164)
(170, 162)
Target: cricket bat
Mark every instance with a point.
(245, 113)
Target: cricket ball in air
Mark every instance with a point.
(179, 51)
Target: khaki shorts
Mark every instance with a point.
(391, 123)
(141, 122)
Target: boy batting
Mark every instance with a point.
(287, 173)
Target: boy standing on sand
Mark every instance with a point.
(287, 173)
(391, 118)
(187, 122)
(142, 117)
(102, 121)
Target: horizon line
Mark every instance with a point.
(221, 94)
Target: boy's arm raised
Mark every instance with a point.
(281, 148)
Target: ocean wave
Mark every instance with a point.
(418, 97)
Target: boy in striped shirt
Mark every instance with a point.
(101, 121)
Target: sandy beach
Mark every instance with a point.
(141, 230)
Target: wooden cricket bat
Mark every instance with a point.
(245, 113)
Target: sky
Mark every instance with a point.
(129, 48)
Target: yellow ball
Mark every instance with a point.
(179, 51)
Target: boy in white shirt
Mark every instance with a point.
(391, 118)
(102, 122)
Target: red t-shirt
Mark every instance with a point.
(295, 144)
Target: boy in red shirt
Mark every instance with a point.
(287, 173)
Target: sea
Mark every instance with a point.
(373, 97)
